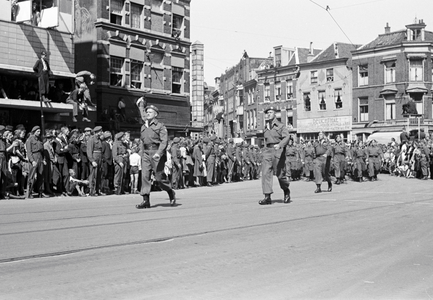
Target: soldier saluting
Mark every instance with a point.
(153, 146)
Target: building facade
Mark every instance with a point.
(388, 72)
(24, 34)
(136, 48)
(324, 93)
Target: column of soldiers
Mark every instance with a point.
(68, 162)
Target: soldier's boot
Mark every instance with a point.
(267, 200)
(287, 196)
(145, 203)
(329, 186)
(318, 189)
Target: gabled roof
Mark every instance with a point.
(300, 56)
(392, 38)
(335, 51)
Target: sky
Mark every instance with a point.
(228, 27)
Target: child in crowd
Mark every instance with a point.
(76, 184)
(135, 163)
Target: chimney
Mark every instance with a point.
(310, 53)
(387, 28)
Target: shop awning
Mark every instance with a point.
(385, 137)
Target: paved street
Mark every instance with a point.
(362, 241)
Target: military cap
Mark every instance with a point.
(9, 128)
(107, 134)
(36, 128)
(270, 108)
(43, 53)
(2, 128)
(87, 129)
(176, 140)
(20, 126)
(206, 140)
(119, 135)
(97, 128)
(152, 107)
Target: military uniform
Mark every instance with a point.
(374, 159)
(153, 147)
(94, 154)
(308, 157)
(274, 160)
(176, 162)
(340, 153)
(322, 160)
(359, 156)
(119, 153)
(292, 156)
(231, 160)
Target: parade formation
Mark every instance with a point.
(92, 162)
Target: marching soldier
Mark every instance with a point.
(340, 154)
(359, 156)
(308, 158)
(374, 159)
(153, 146)
(322, 159)
(231, 160)
(292, 156)
(276, 138)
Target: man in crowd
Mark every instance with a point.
(43, 72)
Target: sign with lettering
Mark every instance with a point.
(325, 124)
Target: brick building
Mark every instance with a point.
(136, 48)
(22, 39)
(388, 72)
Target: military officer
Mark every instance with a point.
(276, 138)
(153, 147)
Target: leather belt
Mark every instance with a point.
(151, 146)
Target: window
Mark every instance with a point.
(157, 5)
(389, 71)
(329, 75)
(136, 11)
(363, 75)
(415, 70)
(116, 71)
(363, 109)
(177, 30)
(277, 91)
(337, 98)
(116, 9)
(136, 70)
(267, 93)
(322, 100)
(176, 79)
(390, 110)
(307, 102)
(313, 76)
(289, 88)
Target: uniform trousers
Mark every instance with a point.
(210, 168)
(321, 169)
(339, 165)
(149, 164)
(118, 176)
(291, 165)
(359, 166)
(274, 163)
(373, 166)
(308, 165)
